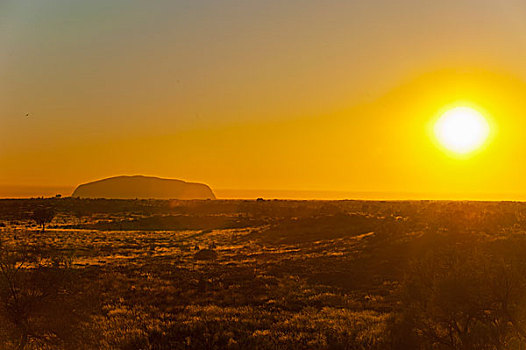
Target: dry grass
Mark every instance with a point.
(311, 275)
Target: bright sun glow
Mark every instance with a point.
(462, 130)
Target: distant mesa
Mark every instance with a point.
(143, 187)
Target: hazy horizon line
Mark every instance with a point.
(35, 191)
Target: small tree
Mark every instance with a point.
(43, 216)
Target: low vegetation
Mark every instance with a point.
(262, 275)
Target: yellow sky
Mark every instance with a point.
(262, 95)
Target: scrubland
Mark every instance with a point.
(145, 274)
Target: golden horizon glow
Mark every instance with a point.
(462, 130)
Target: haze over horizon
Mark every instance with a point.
(282, 194)
(332, 97)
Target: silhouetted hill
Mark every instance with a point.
(143, 187)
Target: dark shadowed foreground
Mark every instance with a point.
(101, 274)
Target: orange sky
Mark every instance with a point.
(332, 96)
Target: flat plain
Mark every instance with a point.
(265, 274)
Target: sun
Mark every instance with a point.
(462, 130)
